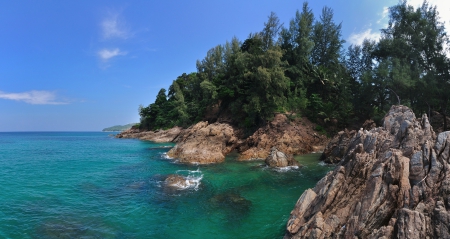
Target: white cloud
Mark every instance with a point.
(358, 38)
(114, 27)
(34, 97)
(106, 54)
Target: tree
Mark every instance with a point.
(327, 38)
(412, 48)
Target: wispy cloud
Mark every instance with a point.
(384, 15)
(358, 38)
(34, 97)
(106, 54)
(113, 26)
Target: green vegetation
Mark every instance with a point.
(120, 127)
(302, 69)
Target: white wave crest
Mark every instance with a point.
(165, 156)
(193, 179)
(286, 169)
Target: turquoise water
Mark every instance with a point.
(91, 185)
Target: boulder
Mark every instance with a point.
(277, 158)
(204, 143)
(392, 182)
(177, 181)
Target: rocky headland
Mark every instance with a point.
(391, 182)
(205, 143)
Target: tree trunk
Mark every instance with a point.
(398, 97)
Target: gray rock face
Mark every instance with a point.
(338, 145)
(392, 182)
(279, 159)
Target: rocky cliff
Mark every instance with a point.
(392, 182)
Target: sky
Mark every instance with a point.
(88, 65)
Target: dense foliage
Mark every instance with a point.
(302, 69)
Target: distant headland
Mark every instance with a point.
(119, 127)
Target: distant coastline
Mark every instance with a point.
(116, 128)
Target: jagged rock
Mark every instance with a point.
(277, 158)
(204, 143)
(337, 147)
(290, 136)
(158, 136)
(392, 182)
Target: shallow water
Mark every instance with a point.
(91, 185)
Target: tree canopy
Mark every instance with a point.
(302, 69)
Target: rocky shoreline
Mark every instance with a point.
(205, 143)
(390, 182)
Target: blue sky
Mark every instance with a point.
(87, 65)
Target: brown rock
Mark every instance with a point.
(392, 182)
(292, 137)
(177, 181)
(279, 159)
(204, 143)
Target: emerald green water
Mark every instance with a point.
(91, 185)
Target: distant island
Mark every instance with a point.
(119, 127)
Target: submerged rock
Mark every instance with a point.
(232, 202)
(204, 143)
(392, 182)
(277, 158)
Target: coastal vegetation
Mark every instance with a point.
(302, 69)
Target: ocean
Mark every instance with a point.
(92, 185)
